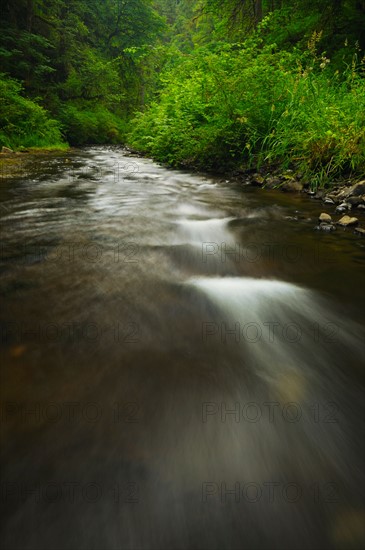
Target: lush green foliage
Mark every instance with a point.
(217, 83)
(22, 121)
(91, 126)
(81, 59)
(247, 104)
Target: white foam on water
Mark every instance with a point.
(190, 209)
(197, 232)
(253, 306)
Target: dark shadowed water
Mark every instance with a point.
(182, 363)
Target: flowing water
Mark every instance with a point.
(182, 362)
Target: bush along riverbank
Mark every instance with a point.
(26, 125)
(254, 106)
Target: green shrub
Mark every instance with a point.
(90, 124)
(249, 104)
(23, 122)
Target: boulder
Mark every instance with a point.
(360, 231)
(6, 150)
(345, 221)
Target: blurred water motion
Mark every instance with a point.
(182, 366)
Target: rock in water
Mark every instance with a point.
(326, 218)
(355, 201)
(257, 179)
(345, 221)
(328, 227)
(342, 208)
(292, 186)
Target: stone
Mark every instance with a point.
(328, 227)
(341, 208)
(353, 191)
(6, 150)
(257, 179)
(328, 200)
(345, 221)
(360, 231)
(357, 189)
(325, 218)
(354, 201)
(272, 182)
(292, 186)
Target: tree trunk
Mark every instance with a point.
(30, 13)
(257, 9)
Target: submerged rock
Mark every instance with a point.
(328, 227)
